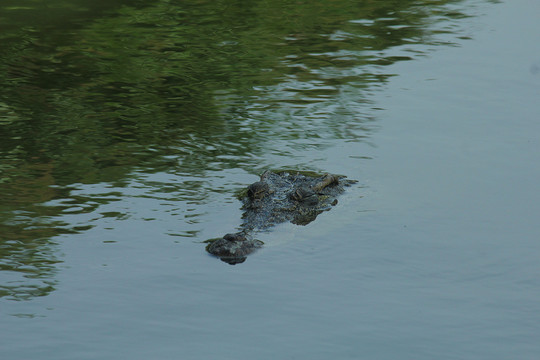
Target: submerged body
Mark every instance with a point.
(278, 198)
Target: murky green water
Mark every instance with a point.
(127, 127)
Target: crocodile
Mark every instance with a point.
(278, 197)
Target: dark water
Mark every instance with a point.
(127, 127)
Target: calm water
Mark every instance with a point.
(127, 127)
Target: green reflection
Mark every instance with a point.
(97, 91)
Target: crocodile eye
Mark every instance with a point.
(257, 190)
(305, 195)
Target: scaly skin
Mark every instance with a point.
(277, 198)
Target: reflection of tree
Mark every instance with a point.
(27, 262)
(164, 73)
(27, 257)
(209, 84)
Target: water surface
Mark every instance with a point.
(128, 127)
